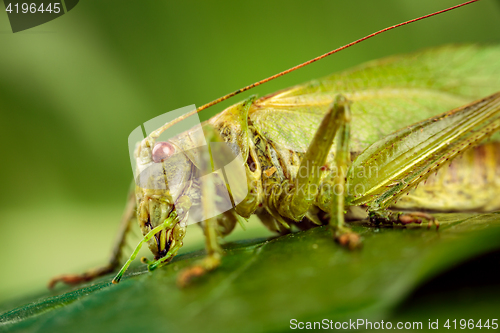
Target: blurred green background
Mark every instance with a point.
(73, 89)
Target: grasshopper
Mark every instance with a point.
(326, 151)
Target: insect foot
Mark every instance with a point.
(188, 275)
(416, 217)
(391, 218)
(347, 238)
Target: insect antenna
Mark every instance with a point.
(258, 83)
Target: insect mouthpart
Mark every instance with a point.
(163, 252)
(165, 222)
(164, 238)
(154, 213)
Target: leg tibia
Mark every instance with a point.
(342, 234)
(294, 204)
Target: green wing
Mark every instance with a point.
(387, 95)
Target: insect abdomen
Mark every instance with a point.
(468, 183)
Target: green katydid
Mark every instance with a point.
(366, 137)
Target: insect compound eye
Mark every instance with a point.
(162, 150)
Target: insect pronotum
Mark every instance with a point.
(317, 152)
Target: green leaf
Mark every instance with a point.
(263, 284)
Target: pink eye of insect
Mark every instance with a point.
(162, 151)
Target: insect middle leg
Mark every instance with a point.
(213, 229)
(326, 192)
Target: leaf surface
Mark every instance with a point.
(263, 284)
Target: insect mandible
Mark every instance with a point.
(315, 153)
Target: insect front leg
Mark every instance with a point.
(214, 251)
(399, 162)
(208, 199)
(114, 260)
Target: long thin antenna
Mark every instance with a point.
(239, 91)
